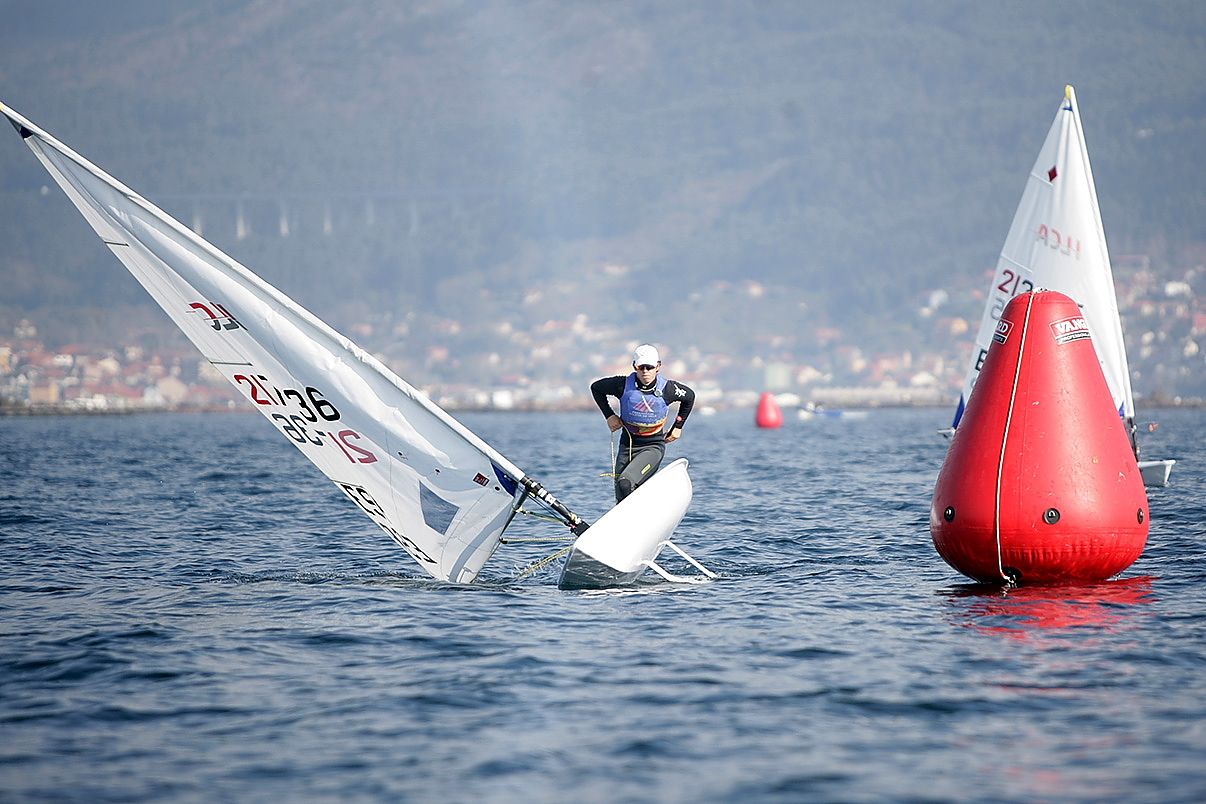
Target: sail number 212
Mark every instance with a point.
(1011, 285)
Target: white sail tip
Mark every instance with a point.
(15, 119)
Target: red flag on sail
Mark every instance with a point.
(1052, 173)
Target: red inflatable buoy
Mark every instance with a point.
(768, 415)
(1040, 484)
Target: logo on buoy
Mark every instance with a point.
(1069, 329)
(1003, 329)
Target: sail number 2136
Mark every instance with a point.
(312, 404)
(312, 408)
(295, 427)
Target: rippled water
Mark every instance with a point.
(191, 612)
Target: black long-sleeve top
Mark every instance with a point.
(673, 391)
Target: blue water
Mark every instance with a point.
(189, 611)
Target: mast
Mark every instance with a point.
(576, 524)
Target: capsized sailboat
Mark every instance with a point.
(437, 489)
(1057, 242)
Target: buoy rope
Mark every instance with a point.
(1017, 373)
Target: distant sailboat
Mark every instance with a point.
(1057, 242)
(435, 487)
(812, 410)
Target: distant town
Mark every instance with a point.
(550, 366)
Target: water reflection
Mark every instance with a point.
(1025, 611)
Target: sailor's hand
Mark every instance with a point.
(674, 434)
(614, 422)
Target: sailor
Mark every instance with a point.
(645, 399)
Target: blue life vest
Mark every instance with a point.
(644, 413)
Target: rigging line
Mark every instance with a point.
(612, 473)
(996, 511)
(536, 515)
(537, 539)
(544, 562)
(555, 516)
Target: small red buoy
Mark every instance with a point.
(1040, 484)
(769, 415)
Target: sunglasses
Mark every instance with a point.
(646, 368)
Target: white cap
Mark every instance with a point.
(645, 355)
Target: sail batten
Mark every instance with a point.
(434, 486)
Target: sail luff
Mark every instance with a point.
(1111, 299)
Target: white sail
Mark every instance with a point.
(1057, 242)
(436, 488)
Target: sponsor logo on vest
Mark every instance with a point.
(1003, 329)
(1070, 329)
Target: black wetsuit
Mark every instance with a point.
(640, 456)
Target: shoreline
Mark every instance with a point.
(65, 410)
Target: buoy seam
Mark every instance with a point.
(1017, 373)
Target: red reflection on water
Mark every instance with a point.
(1021, 611)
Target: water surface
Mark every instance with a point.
(192, 612)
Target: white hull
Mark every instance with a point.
(617, 549)
(1155, 473)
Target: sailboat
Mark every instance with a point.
(1057, 242)
(438, 490)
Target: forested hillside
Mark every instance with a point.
(448, 159)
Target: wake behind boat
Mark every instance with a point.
(1057, 242)
(436, 488)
